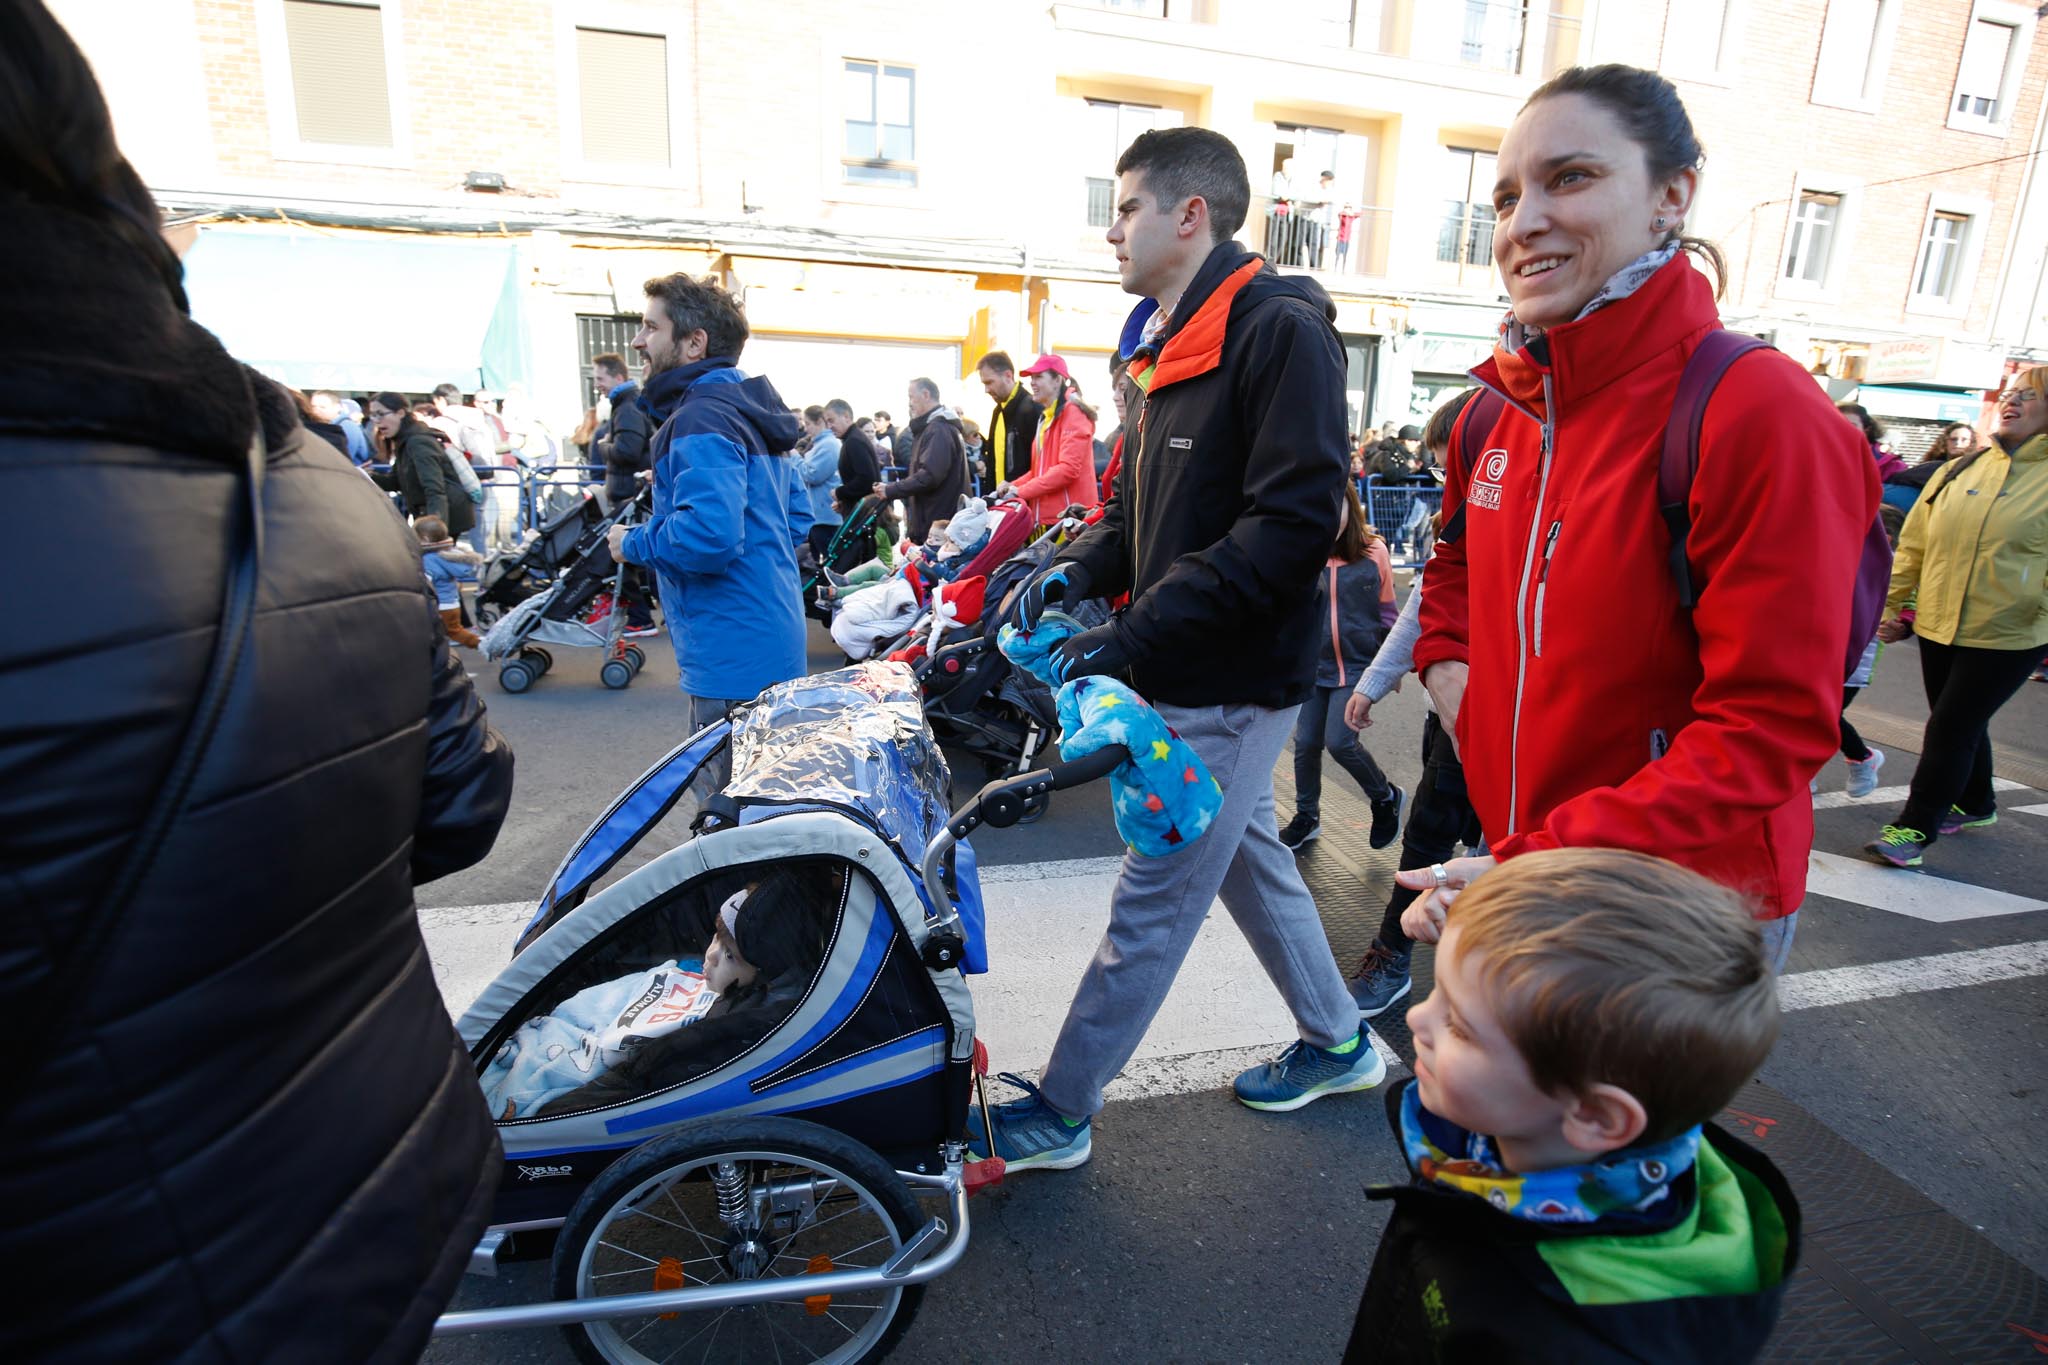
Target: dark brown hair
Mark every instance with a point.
(1649, 111)
(611, 362)
(1617, 968)
(695, 305)
(1436, 432)
(1357, 536)
(1193, 163)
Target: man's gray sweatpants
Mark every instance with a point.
(1159, 905)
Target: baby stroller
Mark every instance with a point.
(760, 1182)
(511, 576)
(561, 612)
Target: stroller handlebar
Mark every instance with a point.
(1001, 804)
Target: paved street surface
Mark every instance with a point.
(1203, 1231)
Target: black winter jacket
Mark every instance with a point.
(1020, 429)
(252, 1135)
(937, 474)
(426, 480)
(621, 444)
(1228, 500)
(860, 466)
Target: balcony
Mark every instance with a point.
(1326, 238)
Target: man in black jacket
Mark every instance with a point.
(936, 475)
(860, 463)
(1227, 507)
(1013, 426)
(620, 445)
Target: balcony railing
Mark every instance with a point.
(1333, 238)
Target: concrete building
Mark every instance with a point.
(396, 192)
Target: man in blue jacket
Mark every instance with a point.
(729, 507)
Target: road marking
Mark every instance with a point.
(1901, 892)
(993, 874)
(2032, 810)
(1884, 796)
(1942, 971)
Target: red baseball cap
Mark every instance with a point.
(1049, 362)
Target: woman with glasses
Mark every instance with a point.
(1970, 564)
(419, 465)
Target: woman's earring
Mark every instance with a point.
(1659, 225)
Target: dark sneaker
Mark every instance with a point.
(1305, 1073)
(1300, 830)
(1957, 820)
(1381, 980)
(1386, 819)
(1029, 1133)
(641, 631)
(1899, 846)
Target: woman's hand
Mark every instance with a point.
(1424, 920)
(1358, 711)
(1894, 630)
(1446, 683)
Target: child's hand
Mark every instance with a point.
(1424, 920)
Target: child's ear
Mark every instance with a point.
(1603, 1118)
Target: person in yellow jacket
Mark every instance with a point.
(1971, 561)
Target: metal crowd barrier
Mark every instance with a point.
(1397, 510)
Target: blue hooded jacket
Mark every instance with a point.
(729, 508)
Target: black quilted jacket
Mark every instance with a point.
(250, 1133)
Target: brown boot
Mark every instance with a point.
(451, 617)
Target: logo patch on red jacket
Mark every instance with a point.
(1485, 489)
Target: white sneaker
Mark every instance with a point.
(1863, 773)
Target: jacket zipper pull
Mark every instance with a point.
(1543, 578)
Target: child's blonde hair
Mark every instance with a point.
(1617, 968)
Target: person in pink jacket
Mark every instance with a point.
(1063, 455)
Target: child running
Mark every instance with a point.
(1570, 1202)
(1355, 603)
(447, 566)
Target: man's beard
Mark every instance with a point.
(661, 359)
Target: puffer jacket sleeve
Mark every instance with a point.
(423, 453)
(468, 784)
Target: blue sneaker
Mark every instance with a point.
(1029, 1133)
(1899, 845)
(1305, 1073)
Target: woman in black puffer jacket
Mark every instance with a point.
(421, 468)
(238, 1125)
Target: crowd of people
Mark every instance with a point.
(1620, 738)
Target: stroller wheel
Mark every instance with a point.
(539, 658)
(616, 674)
(517, 676)
(802, 1199)
(637, 657)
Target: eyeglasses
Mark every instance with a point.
(377, 414)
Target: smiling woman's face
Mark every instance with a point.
(1576, 203)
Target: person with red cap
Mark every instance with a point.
(1063, 454)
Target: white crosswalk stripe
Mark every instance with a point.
(1863, 882)
(1891, 796)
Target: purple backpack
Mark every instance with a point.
(1681, 461)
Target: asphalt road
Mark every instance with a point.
(1203, 1231)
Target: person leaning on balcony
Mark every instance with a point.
(1697, 742)
(1013, 426)
(1063, 457)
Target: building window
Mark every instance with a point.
(1112, 127)
(622, 96)
(881, 128)
(1812, 244)
(341, 92)
(1494, 31)
(1854, 44)
(1981, 77)
(1698, 38)
(597, 334)
(1465, 236)
(1939, 272)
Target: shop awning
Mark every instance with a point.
(1925, 405)
(358, 313)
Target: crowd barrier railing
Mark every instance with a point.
(1399, 511)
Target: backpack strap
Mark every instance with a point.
(1944, 477)
(1476, 423)
(1680, 461)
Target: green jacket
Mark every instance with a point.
(1973, 554)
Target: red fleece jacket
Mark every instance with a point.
(1600, 713)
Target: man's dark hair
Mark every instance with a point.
(611, 362)
(1193, 163)
(881, 416)
(999, 361)
(695, 305)
(842, 407)
(927, 387)
(814, 413)
(449, 392)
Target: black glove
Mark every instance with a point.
(1063, 584)
(1092, 651)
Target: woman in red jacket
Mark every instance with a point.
(1063, 454)
(1590, 707)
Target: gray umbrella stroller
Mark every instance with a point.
(561, 613)
(748, 1187)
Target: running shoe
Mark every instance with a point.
(1029, 1133)
(1957, 820)
(1386, 819)
(1300, 830)
(641, 632)
(1899, 846)
(1305, 1073)
(1382, 979)
(1863, 773)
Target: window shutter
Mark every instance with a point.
(339, 84)
(1983, 69)
(1845, 48)
(622, 90)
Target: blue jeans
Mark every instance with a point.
(1778, 941)
(1320, 726)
